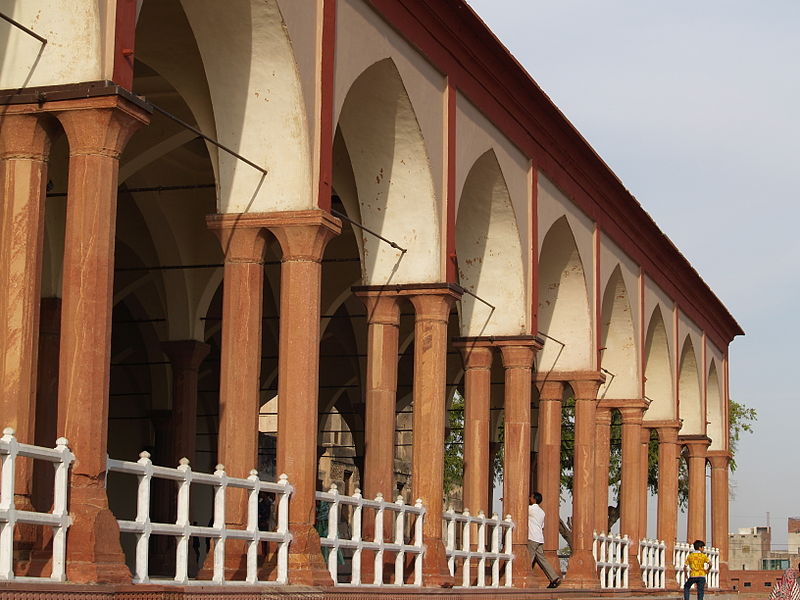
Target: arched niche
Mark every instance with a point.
(393, 181)
(489, 254)
(618, 342)
(658, 387)
(563, 303)
(690, 399)
(717, 419)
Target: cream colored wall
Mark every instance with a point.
(80, 38)
(661, 378)
(622, 354)
(362, 39)
(573, 314)
(715, 397)
(691, 378)
(259, 107)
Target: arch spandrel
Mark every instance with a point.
(690, 399)
(392, 173)
(620, 355)
(490, 260)
(563, 303)
(257, 97)
(658, 378)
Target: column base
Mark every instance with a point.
(94, 554)
(635, 580)
(306, 566)
(671, 579)
(526, 575)
(435, 572)
(582, 571)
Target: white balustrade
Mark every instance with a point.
(183, 529)
(399, 511)
(461, 551)
(58, 519)
(712, 579)
(611, 553)
(652, 559)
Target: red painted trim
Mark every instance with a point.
(450, 185)
(676, 336)
(642, 332)
(534, 237)
(124, 43)
(454, 39)
(598, 298)
(327, 68)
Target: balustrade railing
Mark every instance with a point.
(712, 579)
(462, 550)
(652, 559)
(183, 530)
(401, 545)
(61, 457)
(611, 553)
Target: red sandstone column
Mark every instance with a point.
(581, 570)
(432, 307)
(696, 464)
(185, 357)
(24, 149)
(668, 457)
(518, 357)
(630, 493)
(47, 425)
(719, 509)
(549, 470)
(602, 459)
(97, 130)
(477, 356)
(303, 236)
(383, 320)
(243, 244)
(644, 465)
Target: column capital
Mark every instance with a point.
(550, 390)
(477, 353)
(303, 234)
(667, 430)
(99, 126)
(432, 302)
(603, 415)
(586, 389)
(383, 307)
(26, 136)
(696, 445)
(719, 459)
(185, 354)
(242, 238)
(632, 414)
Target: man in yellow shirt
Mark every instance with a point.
(697, 565)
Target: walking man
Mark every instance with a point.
(697, 565)
(536, 539)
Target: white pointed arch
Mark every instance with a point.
(563, 302)
(618, 341)
(257, 99)
(489, 250)
(717, 419)
(391, 169)
(690, 400)
(658, 381)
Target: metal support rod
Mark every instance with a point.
(205, 137)
(23, 28)
(466, 291)
(344, 217)
(157, 188)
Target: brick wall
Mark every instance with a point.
(754, 584)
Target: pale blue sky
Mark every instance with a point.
(695, 106)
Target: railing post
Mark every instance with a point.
(482, 549)
(252, 528)
(466, 529)
(418, 542)
(495, 551)
(333, 533)
(7, 476)
(283, 528)
(355, 577)
(378, 579)
(626, 549)
(451, 539)
(508, 548)
(143, 518)
(399, 538)
(60, 509)
(219, 524)
(182, 519)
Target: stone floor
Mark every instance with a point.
(18, 591)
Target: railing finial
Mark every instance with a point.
(144, 454)
(9, 431)
(184, 462)
(62, 441)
